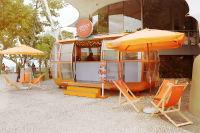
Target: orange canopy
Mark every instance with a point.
(22, 49)
(156, 40)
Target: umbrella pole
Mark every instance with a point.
(149, 68)
(149, 110)
(24, 70)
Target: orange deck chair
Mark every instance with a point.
(36, 81)
(130, 97)
(10, 83)
(163, 88)
(166, 105)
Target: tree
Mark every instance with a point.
(66, 35)
(22, 22)
(44, 43)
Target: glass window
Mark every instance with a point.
(132, 71)
(132, 16)
(156, 2)
(116, 23)
(179, 14)
(54, 52)
(116, 19)
(157, 15)
(103, 20)
(112, 71)
(116, 8)
(109, 54)
(54, 70)
(88, 50)
(65, 69)
(66, 52)
(132, 56)
(89, 54)
(95, 22)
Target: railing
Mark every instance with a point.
(192, 37)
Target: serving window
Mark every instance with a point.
(88, 50)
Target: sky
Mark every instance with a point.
(68, 15)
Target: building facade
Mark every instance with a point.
(118, 16)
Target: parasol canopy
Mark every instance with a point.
(22, 49)
(151, 39)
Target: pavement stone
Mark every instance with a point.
(49, 111)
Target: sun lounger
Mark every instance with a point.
(10, 84)
(130, 97)
(37, 82)
(166, 105)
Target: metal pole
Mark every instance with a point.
(102, 89)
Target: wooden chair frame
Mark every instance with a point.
(36, 81)
(164, 111)
(10, 84)
(128, 101)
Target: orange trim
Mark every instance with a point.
(103, 72)
(134, 86)
(102, 81)
(102, 49)
(95, 37)
(142, 72)
(86, 61)
(72, 61)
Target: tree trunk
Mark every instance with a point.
(1, 60)
(40, 63)
(45, 63)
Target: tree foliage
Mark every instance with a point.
(44, 43)
(20, 22)
(66, 35)
(176, 68)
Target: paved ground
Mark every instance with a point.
(49, 111)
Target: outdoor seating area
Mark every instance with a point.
(119, 66)
(37, 82)
(64, 113)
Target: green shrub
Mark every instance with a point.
(39, 72)
(176, 68)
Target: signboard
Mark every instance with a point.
(102, 72)
(84, 28)
(102, 75)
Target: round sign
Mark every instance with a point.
(84, 28)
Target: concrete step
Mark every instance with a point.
(81, 93)
(84, 89)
